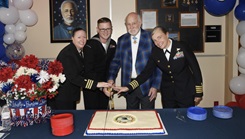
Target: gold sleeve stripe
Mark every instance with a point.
(134, 84)
(199, 89)
(89, 84)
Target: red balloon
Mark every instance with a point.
(232, 104)
(242, 102)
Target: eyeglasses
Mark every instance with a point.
(105, 29)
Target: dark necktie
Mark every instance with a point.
(167, 54)
(81, 54)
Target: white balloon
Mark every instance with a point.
(28, 17)
(11, 2)
(242, 75)
(237, 85)
(20, 36)
(242, 40)
(23, 4)
(8, 38)
(242, 70)
(9, 15)
(240, 28)
(20, 27)
(241, 59)
(10, 28)
(241, 50)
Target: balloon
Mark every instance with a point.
(23, 4)
(242, 102)
(28, 17)
(9, 38)
(15, 51)
(20, 36)
(240, 28)
(10, 28)
(20, 27)
(2, 30)
(241, 70)
(240, 12)
(242, 75)
(2, 51)
(232, 104)
(237, 85)
(242, 40)
(5, 59)
(11, 2)
(241, 59)
(9, 15)
(241, 50)
(218, 7)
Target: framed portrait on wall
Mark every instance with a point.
(67, 15)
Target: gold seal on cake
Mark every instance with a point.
(124, 119)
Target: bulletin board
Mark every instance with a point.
(184, 19)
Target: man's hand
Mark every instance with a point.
(108, 90)
(152, 93)
(103, 84)
(197, 100)
(120, 89)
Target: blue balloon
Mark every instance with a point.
(2, 51)
(240, 12)
(2, 29)
(4, 3)
(219, 7)
(5, 59)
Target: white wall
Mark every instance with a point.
(212, 61)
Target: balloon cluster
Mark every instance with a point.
(237, 84)
(17, 16)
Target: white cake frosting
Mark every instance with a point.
(119, 122)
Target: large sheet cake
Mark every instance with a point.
(125, 122)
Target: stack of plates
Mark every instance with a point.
(223, 112)
(197, 113)
(62, 124)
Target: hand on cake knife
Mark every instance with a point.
(111, 101)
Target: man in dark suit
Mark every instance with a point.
(132, 53)
(181, 74)
(99, 52)
(71, 58)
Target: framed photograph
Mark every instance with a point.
(65, 16)
(149, 19)
(189, 20)
(169, 3)
(174, 35)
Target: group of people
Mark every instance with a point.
(149, 63)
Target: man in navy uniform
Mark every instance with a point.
(99, 52)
